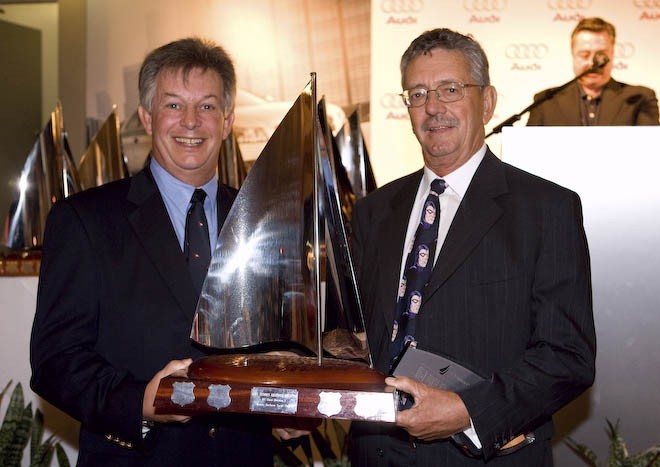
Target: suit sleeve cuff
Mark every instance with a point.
(471, 433)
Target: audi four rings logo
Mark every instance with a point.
(647, 3)
(484, 5)
(569, 4)
(391, 101)
(401, 6)
(525, 51)
(624, 50)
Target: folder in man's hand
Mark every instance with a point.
(435, 370)
(444, 373)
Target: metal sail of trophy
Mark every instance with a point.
(48, 175)
(231, 167)
(355, 156)
(103, 160)
(341, 178)
(280, 300)
(261, 286)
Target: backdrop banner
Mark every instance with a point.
(528, 47)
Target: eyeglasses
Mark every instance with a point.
(449, 91)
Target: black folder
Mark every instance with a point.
(435, 370)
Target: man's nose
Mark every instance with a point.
(190, 118)
(434, 105)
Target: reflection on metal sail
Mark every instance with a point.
(343, 321)
(103, 160)
(355, 157)
(48, 175)
(347, 196)
(281, 248)
(260, 286)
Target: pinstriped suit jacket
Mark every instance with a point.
(510, 296)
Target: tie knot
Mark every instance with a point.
(198, 196)
(438, 185)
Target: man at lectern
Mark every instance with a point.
(121, 274)
(506, 290)
(596, 98)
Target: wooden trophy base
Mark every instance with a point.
(276, 385)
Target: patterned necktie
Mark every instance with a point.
(197, 248)
(417, 271)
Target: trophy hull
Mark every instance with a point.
(276, 385)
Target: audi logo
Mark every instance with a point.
(484, 5)
(624, 50)
(525, 51)
(647, 3)
(401, 6)
(391, 101)
(569, 4)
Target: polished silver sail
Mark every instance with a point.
(48, 175)
(103, 160)
(231, 167)
(281, 272)
(355, 156)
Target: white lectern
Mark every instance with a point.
(615, 172)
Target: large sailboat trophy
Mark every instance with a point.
(280, 300)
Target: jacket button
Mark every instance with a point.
(212, 431)
(380, 452)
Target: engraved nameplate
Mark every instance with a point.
(274, 400)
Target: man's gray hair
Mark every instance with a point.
(186, 55)
(447, 39)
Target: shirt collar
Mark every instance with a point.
(177, 189)
(458, 180)
(584, 96)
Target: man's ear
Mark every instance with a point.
(145, 118)
(226, 127)
(489, 96)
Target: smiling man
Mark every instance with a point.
(596, 98)
(121, 275)
(508, 293)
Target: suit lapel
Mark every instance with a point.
(152, 225)
(225, 199)
(477, 212)
(610, 103)
(568, 105)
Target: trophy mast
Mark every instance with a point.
(317, 222)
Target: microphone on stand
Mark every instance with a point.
(600, 60)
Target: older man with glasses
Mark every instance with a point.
(507, 290)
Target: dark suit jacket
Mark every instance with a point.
(622, 104)
(509, 296)
(115, 304)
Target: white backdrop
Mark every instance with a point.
(623, 232)
(528, 46)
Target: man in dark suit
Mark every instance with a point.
(509, 294)
(116, 297)
(596, 98)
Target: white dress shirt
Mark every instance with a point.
(457, 183)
